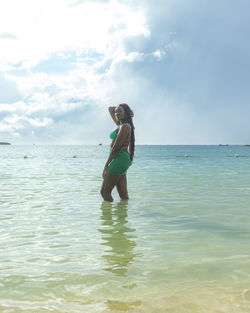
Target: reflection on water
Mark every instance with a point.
(118, 237)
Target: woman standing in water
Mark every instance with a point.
(121, 153)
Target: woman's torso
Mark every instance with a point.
(126, 142)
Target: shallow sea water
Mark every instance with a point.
(180, 244)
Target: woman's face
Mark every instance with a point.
(119, 113)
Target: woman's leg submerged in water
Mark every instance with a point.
(109, 182)
(122, 187)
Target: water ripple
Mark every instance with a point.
(178, 245)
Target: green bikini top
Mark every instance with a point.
(113, 135)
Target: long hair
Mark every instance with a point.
(128, 118)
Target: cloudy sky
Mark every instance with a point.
(182, 65)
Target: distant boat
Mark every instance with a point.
(223, 145)
(100, 144)
(5, 143)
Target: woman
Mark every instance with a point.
(114, 173)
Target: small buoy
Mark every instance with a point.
(185, 155)
(74, 156)
(25, 157)
(236, 155)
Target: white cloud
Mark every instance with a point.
(89, 36)
(15, 124)
(61, 64)
(158, 54)
(46, 27)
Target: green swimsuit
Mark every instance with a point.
(121, 162)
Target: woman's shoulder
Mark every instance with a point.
(125, 128)
(125, 125)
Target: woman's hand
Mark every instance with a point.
(104, 171)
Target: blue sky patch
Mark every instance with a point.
(55, 64)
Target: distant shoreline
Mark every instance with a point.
(5, 143)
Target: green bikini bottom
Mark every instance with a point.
(120, 163)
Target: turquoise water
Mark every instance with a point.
(180, 244)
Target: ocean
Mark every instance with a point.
(180, 244)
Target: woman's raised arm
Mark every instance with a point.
(112, 113)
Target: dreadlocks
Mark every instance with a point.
(128, 117)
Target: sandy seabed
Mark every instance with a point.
(198, 300)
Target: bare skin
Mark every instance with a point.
(109, 182)
(120, 143)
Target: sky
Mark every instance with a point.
(183, 66)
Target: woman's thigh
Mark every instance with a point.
(109, 182)
(122, 187)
